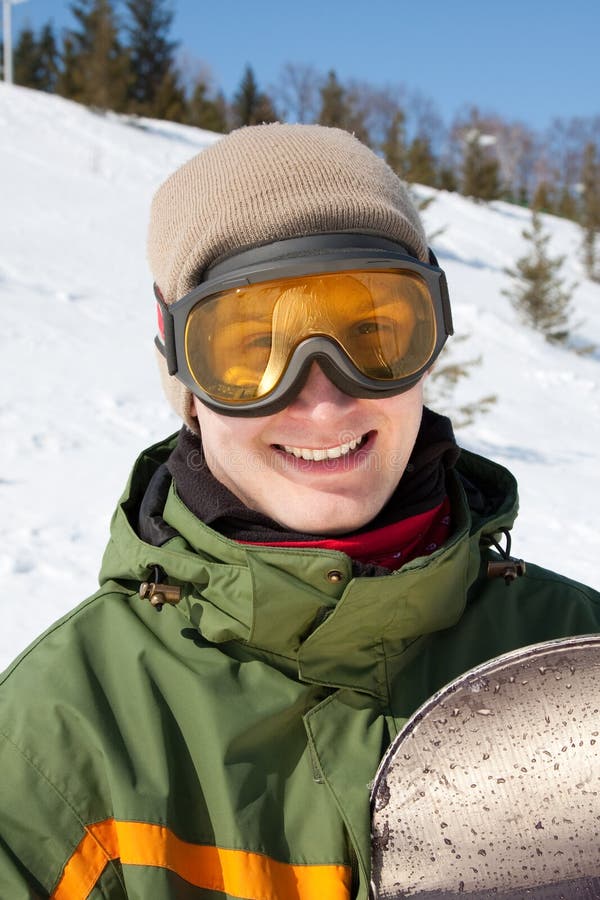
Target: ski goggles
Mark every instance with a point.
(373, 317)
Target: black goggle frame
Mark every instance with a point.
(315, 255)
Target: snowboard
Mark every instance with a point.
(492, 788)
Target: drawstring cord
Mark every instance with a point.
(508, 567)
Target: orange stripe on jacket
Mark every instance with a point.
(238, 872)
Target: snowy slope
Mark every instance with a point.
(80, 392)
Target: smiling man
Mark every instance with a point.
(290, 576)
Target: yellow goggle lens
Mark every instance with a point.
(239, 343)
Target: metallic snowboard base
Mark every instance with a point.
(492, 789)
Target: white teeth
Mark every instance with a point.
(329, 453)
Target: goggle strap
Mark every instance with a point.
(166, 342)
(447, 311)
(446, 308)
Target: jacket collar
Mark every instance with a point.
(301, 610)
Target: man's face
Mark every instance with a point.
(326, 464)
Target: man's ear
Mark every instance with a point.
(192, 418)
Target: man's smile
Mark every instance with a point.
(319, 454)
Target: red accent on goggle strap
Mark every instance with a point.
(161, 323)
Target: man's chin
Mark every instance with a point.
(329, 517)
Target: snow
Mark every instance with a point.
(80, 389)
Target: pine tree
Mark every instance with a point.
(26, 56)
(566, 205)
(394, 145)
(169, 102)
(48, 59)
(480, 171)
(420, 162)
(154, 89)
(335, 111)
(68, 81)
(95, 66)
(36, 59)
(538, 292)
(204, 112)
(590, 211)
(358, 100)
(250, 105)
(447, 180)
(543, 198)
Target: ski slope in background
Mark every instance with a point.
(80, 390)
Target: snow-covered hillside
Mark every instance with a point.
(81, 395)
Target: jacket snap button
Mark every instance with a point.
(334, 576)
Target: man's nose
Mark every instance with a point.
(319, 393)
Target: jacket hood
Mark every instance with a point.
(303, 609)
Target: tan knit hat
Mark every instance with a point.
(264, 184)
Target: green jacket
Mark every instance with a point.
(224, 747)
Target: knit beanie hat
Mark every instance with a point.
(263, 184)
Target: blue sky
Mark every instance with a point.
(529, 61)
